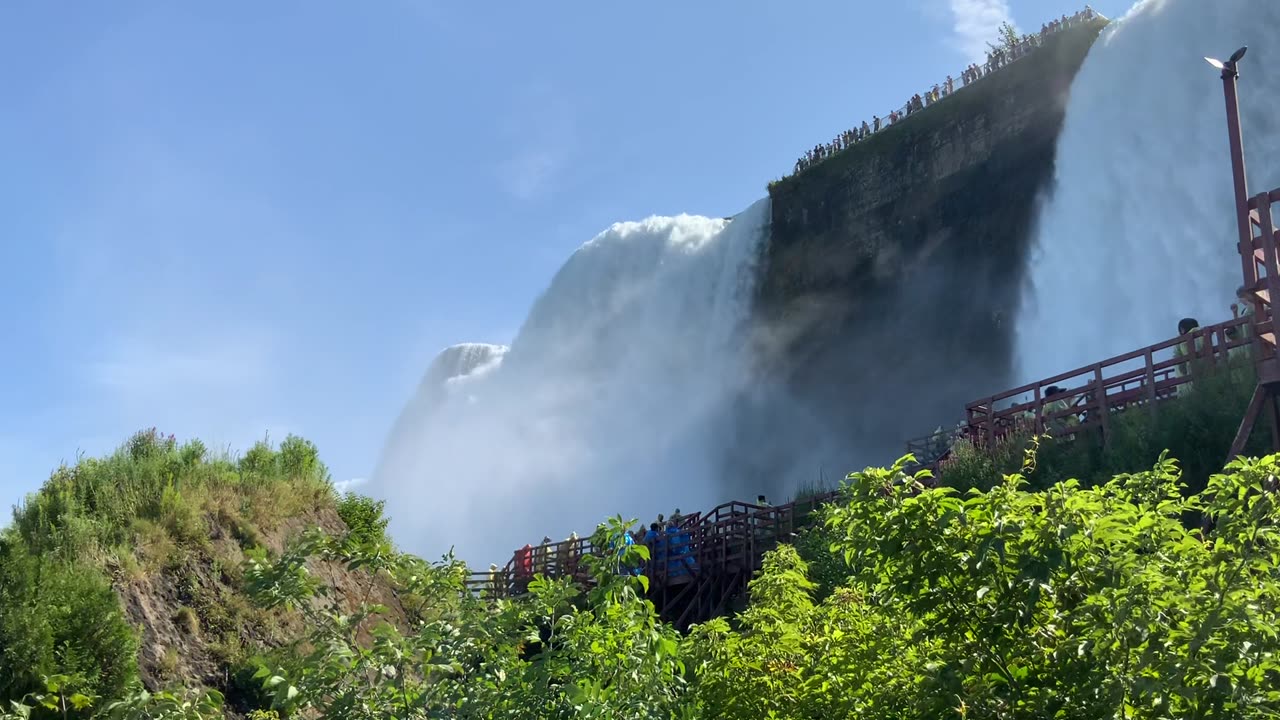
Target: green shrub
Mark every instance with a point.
(827, 569)
(259, 461)
(1072, 602)
(193, 453)
(180, 514)
(299, 459)
(187, 621)
(973, 467)
(60, 617)
(1080, 600)
(93, 507)
(144, 508)
(364, 519)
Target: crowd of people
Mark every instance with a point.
(1010, 50)
(669, 539)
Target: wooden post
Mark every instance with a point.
(991, 423)
(1272, 268)
(1100, 397)
(1150, 380)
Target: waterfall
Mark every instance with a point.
(611, 399)
(1139, 229)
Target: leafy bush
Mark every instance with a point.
(60, 618)
(826, 569)
(972, 467)
(145, 508)
(1078, 601)
(299, 459)
(364, 519)
(1075, 602)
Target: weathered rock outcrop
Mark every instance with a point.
(894, 271)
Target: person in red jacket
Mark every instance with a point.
(524, 567)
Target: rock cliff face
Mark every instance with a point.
(894, 271)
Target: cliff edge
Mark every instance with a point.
(894, 270)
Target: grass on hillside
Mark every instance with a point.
(149, 507)
(153, 496)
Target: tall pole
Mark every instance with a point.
(1244, 239)
(1264, 392)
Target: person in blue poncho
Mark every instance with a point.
(621, 545)
(657, 544)
(680, 558)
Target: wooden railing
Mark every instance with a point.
(1093, 393)
(731, 537)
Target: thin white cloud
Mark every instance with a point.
(176, 327)
(540, 132)
(219, 387)
(530, 171)
(345, 486)
(977, 22)
(164, 366)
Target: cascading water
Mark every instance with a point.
(1140, 229)
(610, 400)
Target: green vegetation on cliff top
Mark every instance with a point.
(894, 145)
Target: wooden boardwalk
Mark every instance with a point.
(694, 573)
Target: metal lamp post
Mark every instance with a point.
(1230, 79)
(1262, 284)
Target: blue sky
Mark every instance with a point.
(227, 219)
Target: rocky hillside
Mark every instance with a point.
(131, 569)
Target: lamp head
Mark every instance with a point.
(1228, 68)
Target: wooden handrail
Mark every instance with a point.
(1272, 196)
(1093, 391)
(727, 533)
(980, 410)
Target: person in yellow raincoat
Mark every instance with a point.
(1183, 352)
(1058, 402)
(1241, 308)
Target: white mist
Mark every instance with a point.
(610, 400)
